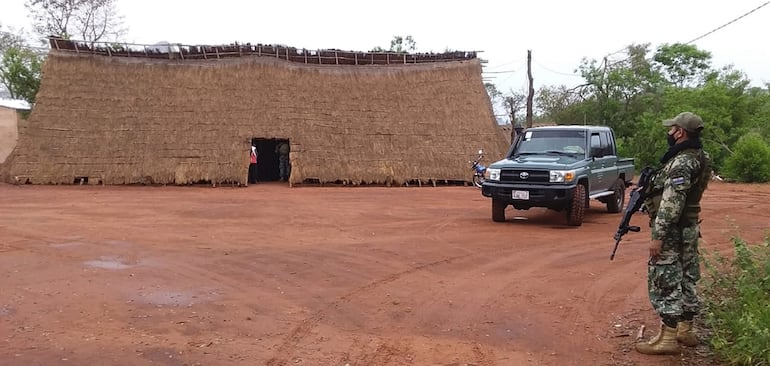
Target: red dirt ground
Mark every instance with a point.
(268, 275)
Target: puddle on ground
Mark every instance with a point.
(109, 263)
(119, 243)
(175, 298)
(6, 310)
(68, 244)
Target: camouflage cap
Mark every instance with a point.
(687, 120)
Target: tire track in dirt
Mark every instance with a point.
(494, 259)
(239, 270)
(517, 297)
(550, 261)
(298, 333)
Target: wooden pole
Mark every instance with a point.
(531, 94)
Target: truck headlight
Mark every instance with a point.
(562, 176)
(494, 174)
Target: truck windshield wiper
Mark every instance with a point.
(516, 155)
(556, 152)
(559, 152)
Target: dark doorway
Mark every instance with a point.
(267, 160)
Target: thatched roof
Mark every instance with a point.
(175, 51)
(126, 120)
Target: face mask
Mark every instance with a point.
(671, 141)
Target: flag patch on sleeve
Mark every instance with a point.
(677, 181)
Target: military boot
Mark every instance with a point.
(685, 334)
(662, 344)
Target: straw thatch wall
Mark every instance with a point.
(132, 120)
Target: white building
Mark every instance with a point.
(9, 125)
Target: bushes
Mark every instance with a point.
(750, 161)
(736, 296)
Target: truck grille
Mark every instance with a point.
(520, 176)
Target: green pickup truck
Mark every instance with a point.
(560, 168)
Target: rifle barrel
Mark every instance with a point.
(612, 256)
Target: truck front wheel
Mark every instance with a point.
(498, 210)
(577, 207)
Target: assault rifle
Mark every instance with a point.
(634, 204)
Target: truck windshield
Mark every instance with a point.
(567, 142)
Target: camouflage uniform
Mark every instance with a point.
(284, 169)
(674, 206)
(673, 202)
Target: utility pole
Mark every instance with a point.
(531, 94)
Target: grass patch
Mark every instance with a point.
(736, 296)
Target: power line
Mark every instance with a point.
(498, 72)
(553, 71)
(730, 22)
(703, 35)
(692, 41)
(507, 63)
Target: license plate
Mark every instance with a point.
(521, 195)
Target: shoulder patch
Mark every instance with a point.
(677, 181)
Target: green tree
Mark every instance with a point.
(683, 64)
(493, 92)
(634, 90)
(561, 105)
(20, 71)
(750, 162)
(727, 105)
(620, 88)
(514, 102)
(399, 44)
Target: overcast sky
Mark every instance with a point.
(559, 33)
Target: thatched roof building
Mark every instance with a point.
(117, 115)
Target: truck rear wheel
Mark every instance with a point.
(618, 199)
(498, 210)
(577, 207)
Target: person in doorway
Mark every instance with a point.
(253, 165)
(673, 204)
(282, 149)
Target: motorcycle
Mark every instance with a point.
(478, 170)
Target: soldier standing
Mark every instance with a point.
(282, 149)
(674, 206)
